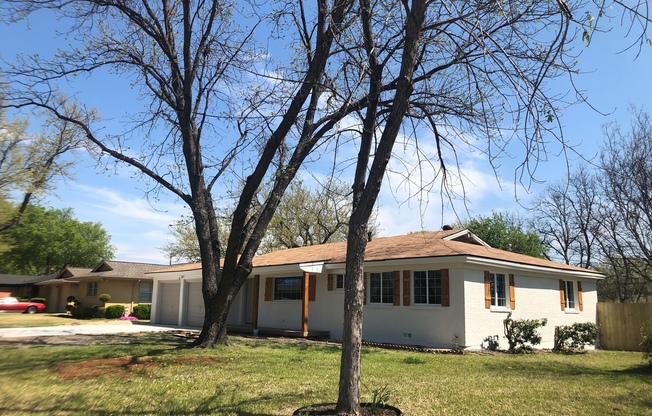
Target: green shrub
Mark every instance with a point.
(37, 300)
(575, 337)
(101, 312)
(83, 312)
(104, 297)
(114, 311)
(142, 311)
(522, 334)
(646, 343)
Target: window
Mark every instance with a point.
(339, 281)
(91, 289)
(145, 292)
(427, 287)
(569, 295)
(497, 289)
(382, 288)
(288, 288)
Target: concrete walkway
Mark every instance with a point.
(84, 330)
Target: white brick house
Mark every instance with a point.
(431, 289)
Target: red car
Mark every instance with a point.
(13, 305)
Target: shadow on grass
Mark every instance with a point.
(205, 407)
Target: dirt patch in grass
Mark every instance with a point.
(122, 367)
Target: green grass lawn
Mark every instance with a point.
(267, 377)
(23, 320)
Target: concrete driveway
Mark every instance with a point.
(85, 330)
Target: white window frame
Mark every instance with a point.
(494, 289)
(386, 290)
(339, 282)
(437, 288)
(571, 301)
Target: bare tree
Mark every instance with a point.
(184, 56)
(567, 217)
(626, 187)
(466, 73)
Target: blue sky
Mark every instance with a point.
(613, 80)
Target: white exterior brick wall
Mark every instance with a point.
(536, 296)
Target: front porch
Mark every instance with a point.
(277, 332)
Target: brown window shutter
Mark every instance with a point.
(329, 286)
(396, 283)
(445, 288)
(312, 287)
(487, 290)
(406, 287)
(268, 288)
(562, 296)
(512, 298)
(364, 287)
(579, 295)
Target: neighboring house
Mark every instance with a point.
(434, 289)
(56, 290)
(21, 286)
(126, 283)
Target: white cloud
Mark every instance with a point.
(137, 228)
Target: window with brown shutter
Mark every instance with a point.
(445, 288)
(562, 295)
(329, 284)
(512, 298)
(406, 287)
(579, 295)
(269, 282)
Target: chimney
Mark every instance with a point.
(369, 236)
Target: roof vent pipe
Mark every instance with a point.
(446, 227)
(369, 236)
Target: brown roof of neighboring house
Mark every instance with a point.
(73, 272)
(120, 269)
(447, 243)
(21, 279)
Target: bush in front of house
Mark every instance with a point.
(522, 334)
(114, 311)
(646, 343)
(142, 311)
(83, 312)
(575, 337)
(101, 312)
(38, 300)
(104, 297)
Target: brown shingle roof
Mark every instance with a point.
(121, 269)
(448, 243)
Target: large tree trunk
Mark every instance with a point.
(365, 193)
(348, 401)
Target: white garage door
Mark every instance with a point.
(168, 305)
(194, 305)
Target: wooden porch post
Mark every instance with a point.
(305, 298)
(254, 311)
